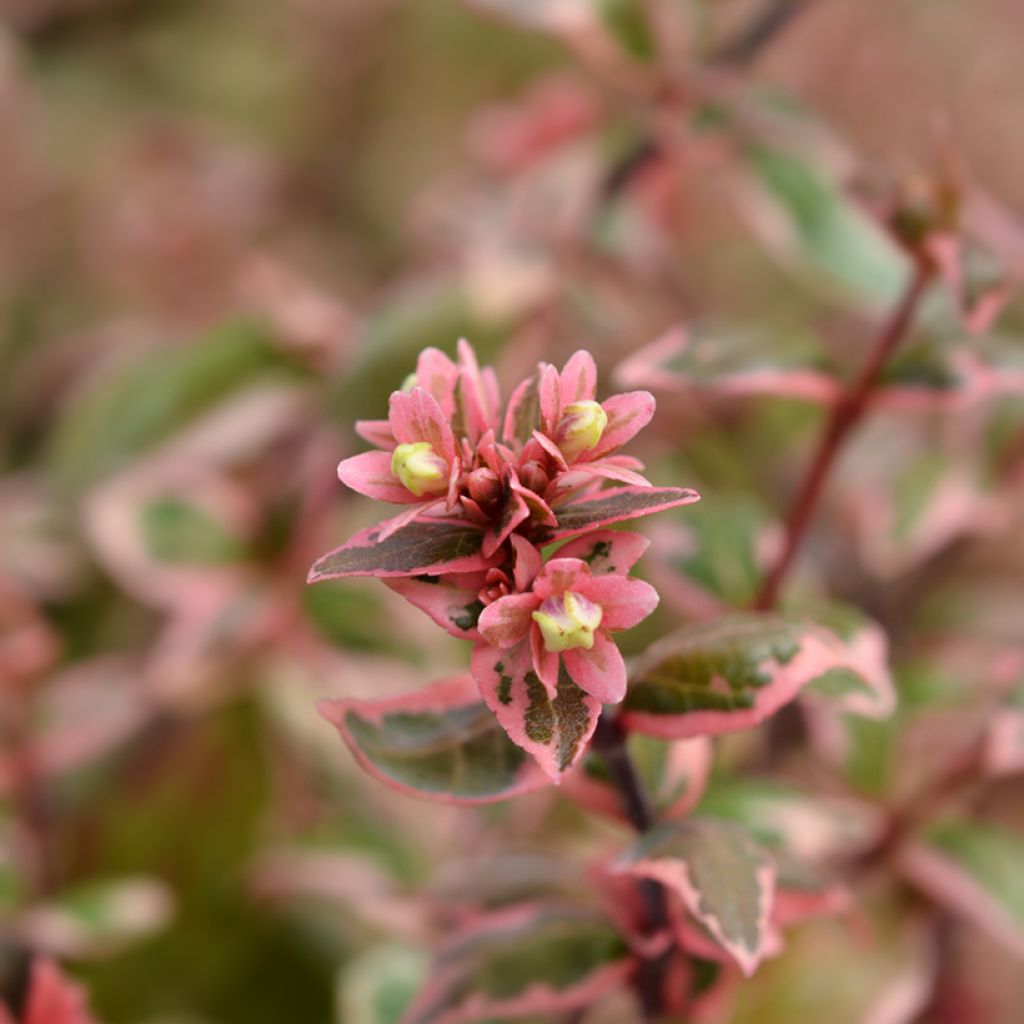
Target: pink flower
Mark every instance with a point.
(440, 452)
(52, 999)
(467, 394)
(567, 618)
(565, 438)
(423, 468)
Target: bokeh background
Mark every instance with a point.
(226, 229)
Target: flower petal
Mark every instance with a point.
(522, 416)
(551, 449)
(507, 621)
(370, 474)
(607, 551)
(417, 416)
(601, 672)
(548, 394)
(560, 575)
(539, 508)
(626, 601)
(608, 470)
(377, 432)
(476, 394)
(578, 380)
(627, 415)
(528, 562)
(514, 511)
(436, 374)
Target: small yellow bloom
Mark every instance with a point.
(580, 427)
(568, 622)
(420, 469)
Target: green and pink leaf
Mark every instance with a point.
(440, 743)
(725, 880)
(615, 505)
(422, 548)
(974, 870)
(733, 673)
(554, 730)
(451, 600)
(523, 961)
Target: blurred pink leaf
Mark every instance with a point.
(523, 961)
(729, 364)
(973, 869)
(97, 919)
(52, 999)
(725, 880)
(674, 775)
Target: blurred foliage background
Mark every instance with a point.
(226, 229)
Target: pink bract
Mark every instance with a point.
(598, 669)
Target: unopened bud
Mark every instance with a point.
(533, 477)
(568, 622)
(484, 486)
(410, 382)
(580, 427)
(420, 469)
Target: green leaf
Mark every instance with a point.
(733, 673)
(176, 531)
(441, 743)
(626, 21)
(523, 961)
(725, 879)
(378, 985)
(784, 819)
(821, 232)
(139, 405)
(829, 973)
(100, 918)
(717, 547)
(974, 869)
(349, 615)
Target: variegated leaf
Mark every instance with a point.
(441, 743)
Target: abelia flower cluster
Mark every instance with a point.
(487, 491)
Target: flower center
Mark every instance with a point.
(580, 427)
(568, 622)
(420, 469)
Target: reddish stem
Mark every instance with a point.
(845, 415)
(610, 742)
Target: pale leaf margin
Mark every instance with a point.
(674, 873)
(820, 652)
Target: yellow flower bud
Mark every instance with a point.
(580, 427)
(410, 382)
(568, 622)
(420, 469)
